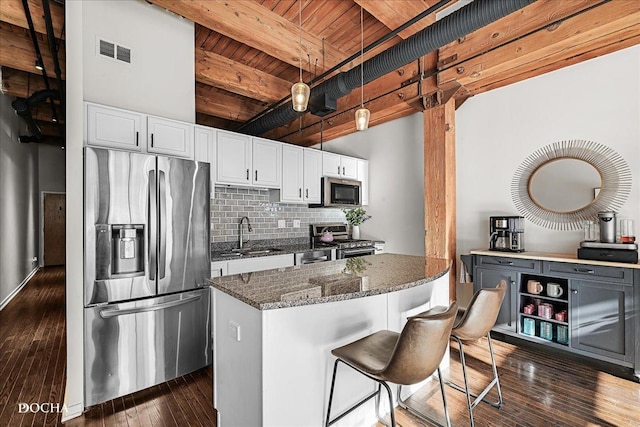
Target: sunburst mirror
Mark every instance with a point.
(563, 184)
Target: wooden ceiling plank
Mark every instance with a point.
(602, 46)
(16, 51)
(224, 106)
(580, 29)
(528, 19)
(394, 13)
(12, 11)
(216, 122)
(220, 71)
(256, 26)
(21, 84)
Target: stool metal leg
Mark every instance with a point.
(375, 394)
(405, 405)
(478, 397)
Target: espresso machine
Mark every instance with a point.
(506, 233)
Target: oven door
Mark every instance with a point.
(355, 252)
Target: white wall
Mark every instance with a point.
(160, 78)
(51, 168)
(18, 202)
(396, 181)
(597, 100)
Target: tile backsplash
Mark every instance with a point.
(231, 204)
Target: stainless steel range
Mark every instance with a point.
(337, 235)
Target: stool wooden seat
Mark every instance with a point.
(402, 358)
(471, 324)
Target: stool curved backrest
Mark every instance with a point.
(481, 313)
(421, 346)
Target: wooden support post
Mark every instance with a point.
(440, 186)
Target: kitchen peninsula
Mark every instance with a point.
(274, 331)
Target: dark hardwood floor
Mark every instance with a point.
(539, 389)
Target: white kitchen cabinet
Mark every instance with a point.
(267, 163)
(339, 166)
(233, 158)
(249, 265)
(115, 128)
(169, 137)
(204, 149)
(292, 174)
(219, 268)
(363, 177)
(312, 173)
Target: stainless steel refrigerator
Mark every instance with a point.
(147, 312)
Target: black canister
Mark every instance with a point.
(607, 226)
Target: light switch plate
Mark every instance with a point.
(296, 223)
(281, 223)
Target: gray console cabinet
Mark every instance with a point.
(601, 303)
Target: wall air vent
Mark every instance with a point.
(113, 50)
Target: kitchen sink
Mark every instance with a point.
(256, 251)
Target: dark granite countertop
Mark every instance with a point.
(331, 281)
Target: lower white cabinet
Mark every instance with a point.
(249, 265)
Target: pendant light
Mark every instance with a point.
(362, 114)
(300, 91)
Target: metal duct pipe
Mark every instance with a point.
(23, 108)
(466, 20)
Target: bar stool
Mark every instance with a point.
(472, 324)
(402, 358)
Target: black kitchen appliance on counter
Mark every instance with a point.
(336, 235)
(506, 233)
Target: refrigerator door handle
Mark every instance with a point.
(153, 225)
(162, 219)
(109, 313)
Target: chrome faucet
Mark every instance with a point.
(240, 230)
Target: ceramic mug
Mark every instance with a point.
(554, 290)
(534, 287)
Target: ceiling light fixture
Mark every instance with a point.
(362, 114)
(300, 91)
(39, 65)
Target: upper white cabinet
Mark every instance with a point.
(233, 158)
(267, 163)
(169, 137)
(339, 166)
(292, 174)
(363, 177)
(115, 128)
(204, 148)
(301, 174)
(312, 175)
(244, 160)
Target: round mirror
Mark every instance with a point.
(564, 185)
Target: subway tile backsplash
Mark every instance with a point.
(231, 204)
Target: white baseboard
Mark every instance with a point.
(9, 297)
(70, 412)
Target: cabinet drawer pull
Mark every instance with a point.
(137, 138)
(505, 262)
(151, 140)
(584, 270)
(574, 291)
(343, 171)
(338, 170)
(247, 174)
(256, 174)
(299, 192)
(306, 193)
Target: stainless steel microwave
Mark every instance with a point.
(339, 193)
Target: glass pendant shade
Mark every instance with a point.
(362, 118)
(300, 96)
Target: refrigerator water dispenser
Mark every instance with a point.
(119, 251)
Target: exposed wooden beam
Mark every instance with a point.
(12, 11)
(256, 26)
(440, 186)
(216, 122)
(224, 106)
(555, 43)
(217, 70)
(22, 84)
(16, 51)
(394, 13)
(533, 17)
